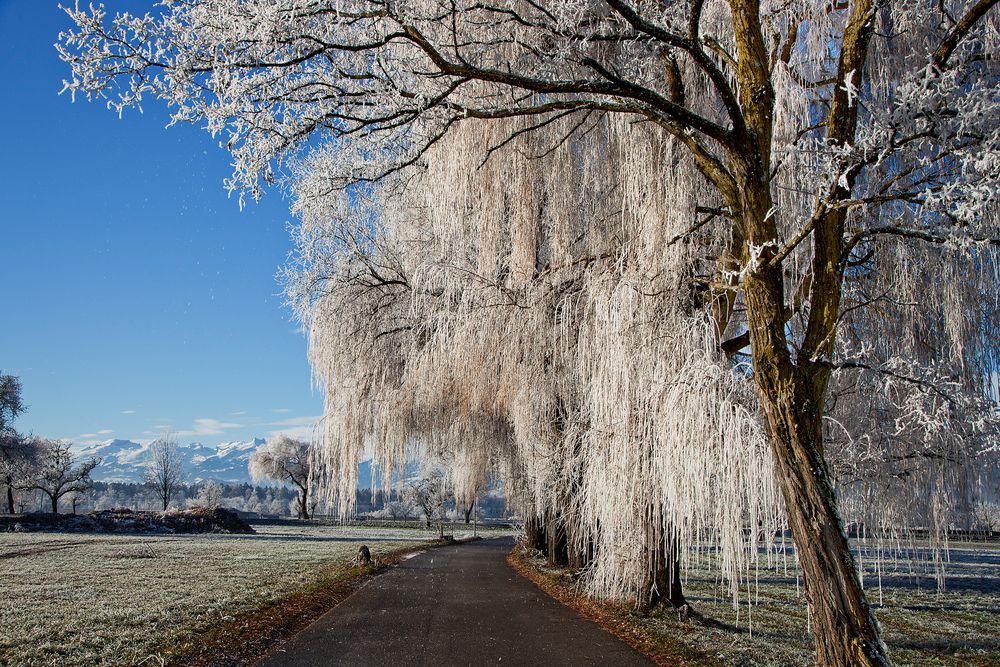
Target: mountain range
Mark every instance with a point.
(125, 460)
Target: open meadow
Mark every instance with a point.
(87, 599)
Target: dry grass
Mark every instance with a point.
(76, 599)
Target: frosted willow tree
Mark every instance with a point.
(520, 314)
(834, 142)
(285, 460)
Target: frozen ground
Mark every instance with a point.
(959, 626)
(84, 599)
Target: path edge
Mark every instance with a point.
(610, 616)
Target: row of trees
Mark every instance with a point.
(270, 501)
(29, 463)
(290, 462)
(679, 271)
(47, 467)
(32, 464)
(281, 459)
(293, 462)
(262, 500)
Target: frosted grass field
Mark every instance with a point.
(85, 599)
(958, 626)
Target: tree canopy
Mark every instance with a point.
(11, 404)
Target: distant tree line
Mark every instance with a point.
(277, 501)
(244, 497)
(38, 474)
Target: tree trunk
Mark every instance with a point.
(558, 544)
(580, 555)
(468, 512)
(55, 504)
(10, 499)
(662, 581)
(303, 508)
(845, 631)
(534, 531)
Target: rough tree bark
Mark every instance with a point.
(793, 395)
(793, 392)
(534, 531)
(303, 501)
(558, 542)
(662, 582)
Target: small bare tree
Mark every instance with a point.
(210, 495)
(283, 459)
(165, 469)
(56, 472)
(399, 510)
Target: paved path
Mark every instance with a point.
(459, 605)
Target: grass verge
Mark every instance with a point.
(79, 599)
(252, 634)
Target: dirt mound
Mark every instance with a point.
(194, 520)
(204, 520)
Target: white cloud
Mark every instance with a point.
(300, 428)
(128, 412)
(281, 410)
(239, 413)
(295, 421)
(90, 438)
(208, 426)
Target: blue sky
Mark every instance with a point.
(134, 294)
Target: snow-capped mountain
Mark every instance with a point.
(125, 460)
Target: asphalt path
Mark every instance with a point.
(457, 605)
